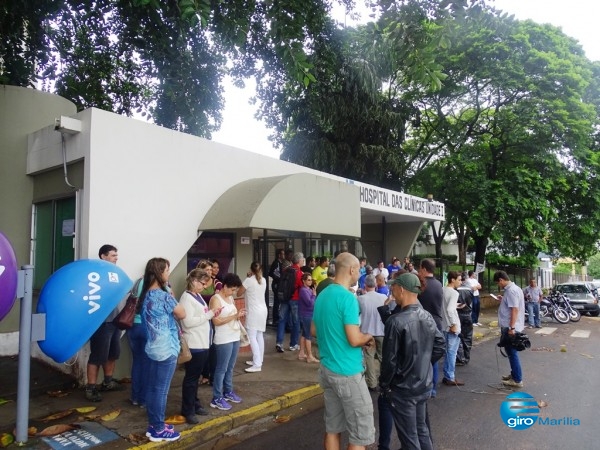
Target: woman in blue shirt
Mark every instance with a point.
(159, 311)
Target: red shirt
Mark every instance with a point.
(296, 294)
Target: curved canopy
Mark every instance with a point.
(299, 202)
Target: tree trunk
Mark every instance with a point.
(438, 237)
(480, 248)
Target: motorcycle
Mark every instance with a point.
(564, 302)
(549, 307)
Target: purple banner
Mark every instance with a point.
(8, 276)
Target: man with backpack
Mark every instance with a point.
(287, 294)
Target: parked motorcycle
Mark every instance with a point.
(564, 302)
(549, 307)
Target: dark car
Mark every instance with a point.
(582, 296)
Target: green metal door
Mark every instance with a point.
(53, 237)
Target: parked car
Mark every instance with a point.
(582, 296)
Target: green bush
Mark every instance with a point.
(495, 259)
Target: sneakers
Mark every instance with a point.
(279, 348)
(167, 427)
(232, 397)
(93, 395)
(506, 377)
(112, 385)
(249, 363)
(478, 324)
(252, 369)
(294, 348)
(167, 434)
(220, 403)
(512, 383)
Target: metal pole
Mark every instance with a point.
(24, 357)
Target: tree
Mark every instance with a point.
(163, 59)
(514, 138)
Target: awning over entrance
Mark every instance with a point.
(300, 202)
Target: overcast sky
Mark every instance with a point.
(577, 18)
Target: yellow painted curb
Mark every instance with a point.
(220, 425)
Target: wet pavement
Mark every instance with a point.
(283, 383)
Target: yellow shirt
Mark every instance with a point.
(319, 274)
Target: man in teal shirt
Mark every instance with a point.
(336, 325)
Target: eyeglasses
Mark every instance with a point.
(308, 279)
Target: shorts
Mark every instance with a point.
(348, 406)
(305, 324)
(105, 344)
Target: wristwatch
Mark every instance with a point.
(511, 328)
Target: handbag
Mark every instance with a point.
(124, 320)
(184, 349)
(244, 338)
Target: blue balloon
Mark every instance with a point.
(8, 276)
(76, 299)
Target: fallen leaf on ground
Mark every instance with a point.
(85, 409)
(57, 429)
(6, 439)
(57, 394)
(587, 356)
(90, 417)
(542, 404)
(137, 439)
(111, 415)
(175, 420)
(3, 401)
(282, 419)
(31, 431)
(58, 415)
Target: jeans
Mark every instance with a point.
(289, 311)
(386, 422)
(136, 336)
(223, 378)
(475, 308)
(189, 386)
(533, 309)
(513, 359)
(434, 378)
(466, 338)
(410, 418)
(257, 345)
(452, 341)
(160, 374)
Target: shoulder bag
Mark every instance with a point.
(184, 349)
(124, 320)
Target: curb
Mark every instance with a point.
(218, 426)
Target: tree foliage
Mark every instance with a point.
(513, 139)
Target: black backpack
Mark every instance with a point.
(287, 285)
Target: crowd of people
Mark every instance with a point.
(205, 316)
(382, 329)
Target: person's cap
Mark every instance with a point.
(408, 281)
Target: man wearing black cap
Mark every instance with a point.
(412, 342)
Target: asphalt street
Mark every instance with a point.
(560, 372)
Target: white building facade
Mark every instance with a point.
(94, 178)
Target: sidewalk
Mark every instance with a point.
(284, 382)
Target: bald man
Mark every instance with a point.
(336, 325)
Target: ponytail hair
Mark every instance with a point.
(256, 270)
